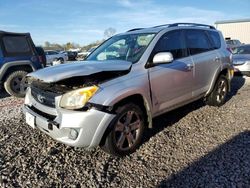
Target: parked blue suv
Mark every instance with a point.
(18, 57)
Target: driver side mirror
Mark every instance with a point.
(163, 57)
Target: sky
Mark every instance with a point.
(84, 21)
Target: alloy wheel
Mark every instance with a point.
(127, 130)
(221, 91)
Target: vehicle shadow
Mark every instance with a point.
(226, 166)
(237, 83)
(170, 118)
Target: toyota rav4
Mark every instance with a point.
(110, 99)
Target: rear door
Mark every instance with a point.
(171, 83)
(206, 59)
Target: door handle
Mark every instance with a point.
(189, 67)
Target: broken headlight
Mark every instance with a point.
(78, 98)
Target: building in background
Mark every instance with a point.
(235, 29)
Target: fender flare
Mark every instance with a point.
(226, 67)
(9, 65)
(128, 93)
(101, 131)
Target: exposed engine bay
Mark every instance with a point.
(69, 84)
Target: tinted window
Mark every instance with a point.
(197, 41)
(215, 39)
(172, 42)
(16, 45)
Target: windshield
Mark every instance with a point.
(242, 50)
(124, 47)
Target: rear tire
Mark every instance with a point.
(219, 94)
(126, 131)
(15, 83)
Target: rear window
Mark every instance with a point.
(16, 45)
(197, 41)
(215, 39)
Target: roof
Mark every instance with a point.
(159, 28)
(12, 33)
(232, 21)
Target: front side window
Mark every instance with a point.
(172, 42)
(128, 47)
(16, 45)
(197, 42)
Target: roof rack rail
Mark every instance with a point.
(185, 24)
(191, 24)
(162, 25)
(135, 29)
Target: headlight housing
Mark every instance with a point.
(78, 98)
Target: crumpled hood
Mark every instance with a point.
(78, 69)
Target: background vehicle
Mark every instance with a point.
(54, 57)
(84, 55)
(241, 59)
(110, 98)
(18, 57)
(72, 55)
(232, 43)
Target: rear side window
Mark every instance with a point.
(215, 39)
(16, 45)
(197, 41)
(172, 42)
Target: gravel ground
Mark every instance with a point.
(194, 146)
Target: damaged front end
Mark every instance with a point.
(75, 91)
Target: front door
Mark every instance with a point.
(171, 83)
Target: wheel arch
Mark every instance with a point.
(137, 99)
(225, 70)
(10, 67)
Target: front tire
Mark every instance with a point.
(15, 83)
(219, 94)
(126, 131)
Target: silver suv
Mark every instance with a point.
(109, 99)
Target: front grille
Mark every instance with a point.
(44, 97)
(43, 114)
